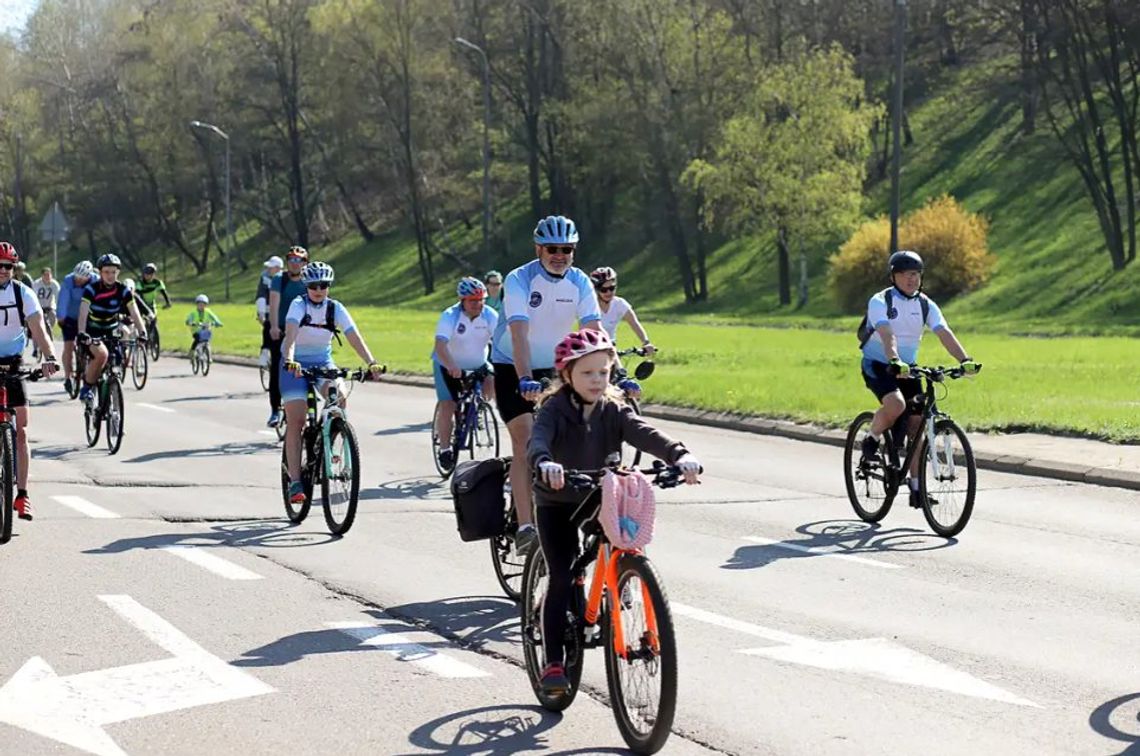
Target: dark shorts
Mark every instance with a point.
(507, 396)
(70, 329)
(878, 378)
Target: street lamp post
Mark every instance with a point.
(896, 125)
(486, 143)
(229, 216)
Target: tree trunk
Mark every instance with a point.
(1029, 83)
(783, 257)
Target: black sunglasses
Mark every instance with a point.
(6, 266)
(607, 289)
(559, 250)
(322, 285)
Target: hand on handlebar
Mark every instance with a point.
(630, 386)
(899, 368)
(690, 467)
(294, 367)
(529, 388)
(552, 474)
(970, 367)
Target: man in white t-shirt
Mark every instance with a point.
(311, 321)
(462, 336)
(542, 302)
(615, 309)
(899, 314)
(47, 291)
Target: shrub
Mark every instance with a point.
(951, 240)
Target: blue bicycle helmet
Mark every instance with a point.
(555, 229)
(471, 288)
(317, 272)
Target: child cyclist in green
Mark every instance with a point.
(201, 319)
(581, 423)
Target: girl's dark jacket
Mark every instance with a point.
(562, 434)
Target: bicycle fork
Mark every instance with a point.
(941, 459)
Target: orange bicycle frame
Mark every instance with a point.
(605, 579)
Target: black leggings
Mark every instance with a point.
(558, 534)
(274, 374)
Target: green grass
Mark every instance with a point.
(1081, 386)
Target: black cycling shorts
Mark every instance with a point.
(879, 379)
(507, 396)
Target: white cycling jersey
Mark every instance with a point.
(314, 342)
(905, 321)
(553, 306)
(13, 336)
(466, 339)
(612, 317)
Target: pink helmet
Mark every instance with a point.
(578, 344)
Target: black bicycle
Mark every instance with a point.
(134, 362)
(643, 370)
(8, 448)
(475, 427)
(107, 407)
(625, 611)
(152, 338)
(330, 454)
(948, 474)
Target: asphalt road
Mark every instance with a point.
(160, 603)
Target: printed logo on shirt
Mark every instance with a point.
(535, 298)
(462, 329)
(893, 313)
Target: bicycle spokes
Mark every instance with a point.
(637, 647)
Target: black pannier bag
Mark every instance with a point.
(477, 493)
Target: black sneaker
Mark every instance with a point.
(916, 499)
(525, 540)
(870, 450)
(447, 459)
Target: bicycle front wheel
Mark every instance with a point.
(7, 480)
(206, 359)
(92, 422)
(152, 341)
(871, 486)
(78, 368)
(139, 369)
(114, 415)
(534, 586)
(264, 370)
(948, 479)
(194, 360)
(340, 478)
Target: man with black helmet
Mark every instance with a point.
(898, 316)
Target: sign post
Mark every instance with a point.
(54, 228)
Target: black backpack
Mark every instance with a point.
(328, 325)
(866, 330)
(18, 296)
(479, 499)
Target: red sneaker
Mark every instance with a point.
(23, 507)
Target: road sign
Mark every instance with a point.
(54, 227)
(74, 708)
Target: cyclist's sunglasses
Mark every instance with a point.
(6, 266)
(322, 285)
(607, 289)
(294, 259)
(559, 250)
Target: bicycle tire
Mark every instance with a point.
(7, 480)
(296, 515)
(533, 655)
(264, 371)
(115, 415)
(78, 368)
(444, 473)
(207, 359)
(664, 659)
(851, 471)
(634, 461)
(951, 528)
(485, 434)
(281, 428)
(140, 370)
(93, 419)
(339, 427)
(508, 569)
(153, 340)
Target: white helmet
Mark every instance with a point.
(129, 283)
(84, 269)
(275, 262)
(201, 299)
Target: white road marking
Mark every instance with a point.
(73, 709)
(153, 407)
(874, 657)
(405, 650)
(818, 552)
(267, 432)
(212, 562)
(82, 506)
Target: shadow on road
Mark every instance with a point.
(408, 428)
(1108, 718)
(408, 488)
(221, 450)
(245, 534)
(489, 731)
(846, 537)
(59, 451)
(477, 620)
(218, 397)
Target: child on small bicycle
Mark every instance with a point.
(581, 424)
(310, 324)
(201, 319)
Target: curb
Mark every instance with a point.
(1098, 476)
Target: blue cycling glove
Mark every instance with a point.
(629, 386)
(528, 385)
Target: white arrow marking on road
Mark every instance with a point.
(73, 709)
(405, 650)
(212, 562)
(153, 407)
(82, 506)
(874, 657)
(818, 552)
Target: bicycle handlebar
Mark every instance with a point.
(360, 374)
(936, 374)
(663, 476)
(31, 375)
(639, 351)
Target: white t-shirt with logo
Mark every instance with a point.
(47, 293)
(552, 306)
(611, 318)
(466, 339)
(13, 339)
(905, 322)
(313, 345)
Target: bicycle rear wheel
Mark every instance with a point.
(871, 487)
(534, 591)
(642, 675)
(114, 414)
(139, 370)
(340, 478)
(7, 480)
(948, 495)
(509, 566)
(297, 512)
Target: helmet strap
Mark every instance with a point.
(902, 293)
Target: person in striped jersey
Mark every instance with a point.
(103, 301)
